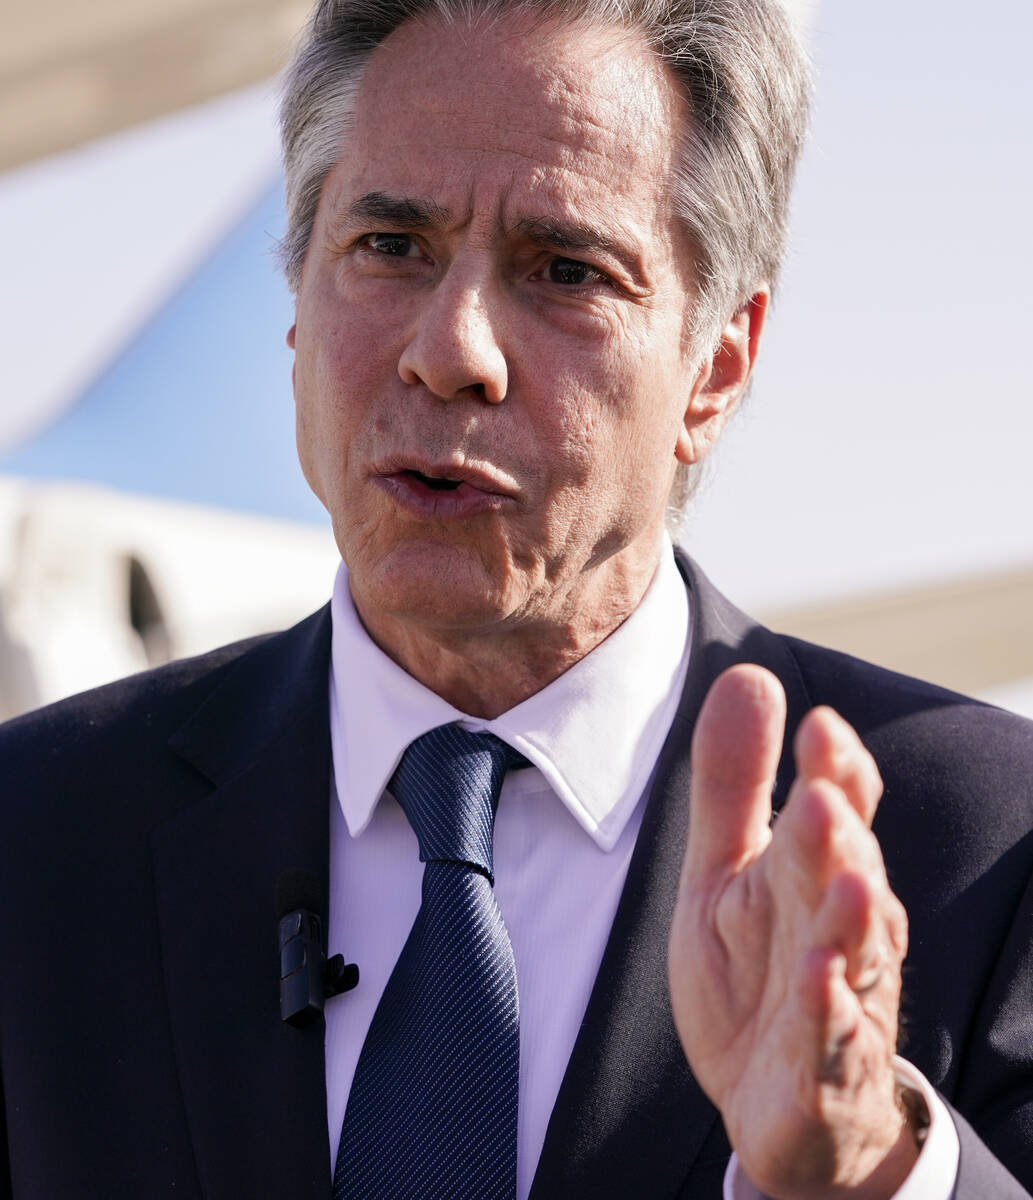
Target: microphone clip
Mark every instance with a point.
(307, 977)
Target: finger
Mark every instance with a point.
(832, 1015)
(828, 747)
(850, 921)
(849, 975)
(735, 751)
(819, 836)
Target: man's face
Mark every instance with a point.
(492, 378)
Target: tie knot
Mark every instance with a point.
(448, 785)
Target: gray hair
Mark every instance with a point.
(742, 73)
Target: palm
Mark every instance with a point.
(772, 937)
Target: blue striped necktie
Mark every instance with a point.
(432, 1112)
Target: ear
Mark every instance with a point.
(722, 379)
(292, 333)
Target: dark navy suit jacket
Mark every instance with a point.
(143, 827)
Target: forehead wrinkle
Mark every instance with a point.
(580, 129)
(613, 130)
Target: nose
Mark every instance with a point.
(454, 347)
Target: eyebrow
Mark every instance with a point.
(563, 236)
(566, 236)
(380, 208)
(409, 212)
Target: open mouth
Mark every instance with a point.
(443, 496)
(433, 481)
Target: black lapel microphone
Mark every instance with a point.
(307, 977)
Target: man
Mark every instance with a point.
(532, 248)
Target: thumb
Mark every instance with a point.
(736, 747)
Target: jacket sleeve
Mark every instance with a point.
(6, 1192)
(995, 1088)
(980, 1173)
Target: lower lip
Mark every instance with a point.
(457, 503)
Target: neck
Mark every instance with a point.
(487, 670)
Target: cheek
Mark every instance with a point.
(613, 411)
(324, 410)
(622, 428)
(564, 429)
(652, 392)
(306, 423)
(305, 441)
(580, 452)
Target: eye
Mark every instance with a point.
(394, 245)
(571, 273)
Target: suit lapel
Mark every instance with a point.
(630, 1119)
(253, 1087)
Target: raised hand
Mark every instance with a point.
(786, 949)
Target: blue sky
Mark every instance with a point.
(886, 440)
(887, 437)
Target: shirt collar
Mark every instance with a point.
(621, 696)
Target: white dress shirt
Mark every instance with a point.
(564, 834)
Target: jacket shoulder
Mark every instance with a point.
(957, 803)
(905, 714)
(120, 707)
(88, 743)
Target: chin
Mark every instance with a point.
(435, 584)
